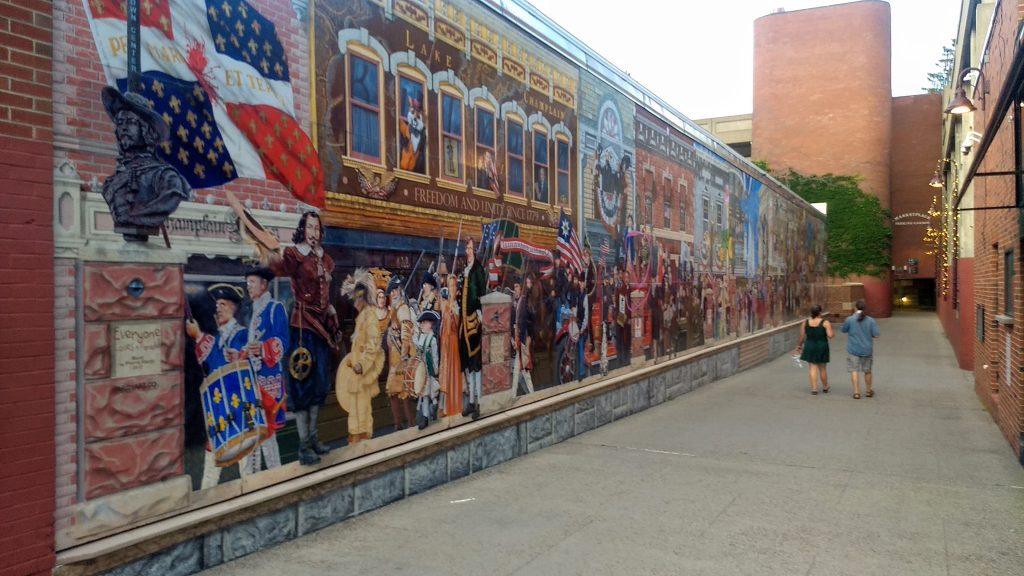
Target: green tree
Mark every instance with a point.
(859, 236)
(939, 80)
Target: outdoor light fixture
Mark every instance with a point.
(937, 181)
(960, 103)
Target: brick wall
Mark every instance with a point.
(844, 121)
(997, 374)
(916, 146)
(26, 289)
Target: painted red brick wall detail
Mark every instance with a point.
(136, 461)
(106, 292)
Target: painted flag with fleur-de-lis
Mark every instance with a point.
(216, 72)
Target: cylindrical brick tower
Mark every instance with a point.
(823, 101)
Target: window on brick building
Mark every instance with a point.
(1008, 273)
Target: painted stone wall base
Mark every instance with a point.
(466, 450)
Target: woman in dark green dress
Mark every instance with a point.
(815, 333)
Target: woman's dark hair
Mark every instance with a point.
(815, 310)
(300, 231)
(860, 304)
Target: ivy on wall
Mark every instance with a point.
(859, 234)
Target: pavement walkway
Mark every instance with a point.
(748, 475)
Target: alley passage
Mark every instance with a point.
(749, 475)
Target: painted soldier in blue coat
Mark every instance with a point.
(267, 342)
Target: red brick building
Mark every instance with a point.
(817, 117)
(981, 210)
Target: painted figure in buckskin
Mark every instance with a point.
(356, 381)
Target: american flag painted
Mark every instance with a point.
(489, 237)
(569, 243)
(217, 74)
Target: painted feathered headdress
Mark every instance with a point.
(359, 284)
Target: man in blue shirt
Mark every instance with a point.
(862, 330)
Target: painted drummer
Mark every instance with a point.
(215, 351)
(267, 342)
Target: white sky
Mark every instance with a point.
(713, 44)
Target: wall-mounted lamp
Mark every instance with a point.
(960, 103)
(937, 180)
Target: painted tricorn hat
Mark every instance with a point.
(114, 101)
(429, 315)
(225, 292)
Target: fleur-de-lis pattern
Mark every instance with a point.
(196, 147)
(242, 33)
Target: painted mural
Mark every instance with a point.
(463, 159)
(482, 223)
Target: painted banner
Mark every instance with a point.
(218, 75)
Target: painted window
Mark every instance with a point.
(412, 129)
(541, 177)
(562, 159)
(486, 172)
(451, 136)
(683, 199)
(666, 203)
(514, 152)
(364, 84)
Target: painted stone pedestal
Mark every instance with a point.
(636, 327)
(497, 364)
(131, 386)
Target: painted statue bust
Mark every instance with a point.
(144, 189)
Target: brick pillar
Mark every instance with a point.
(27, 290)
(497, 364)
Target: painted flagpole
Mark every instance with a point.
(134, 52)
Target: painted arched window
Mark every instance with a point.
(365, 87)
(514, 155)
(486, 177)
(452, 138)
(411, 110)
(541, 165)
(562, 163)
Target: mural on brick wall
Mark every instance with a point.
(481, 220)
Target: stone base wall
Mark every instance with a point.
(436, 461)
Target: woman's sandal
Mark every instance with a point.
(824, 390)
(815, 392)
(856, 396)
(869, 393)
